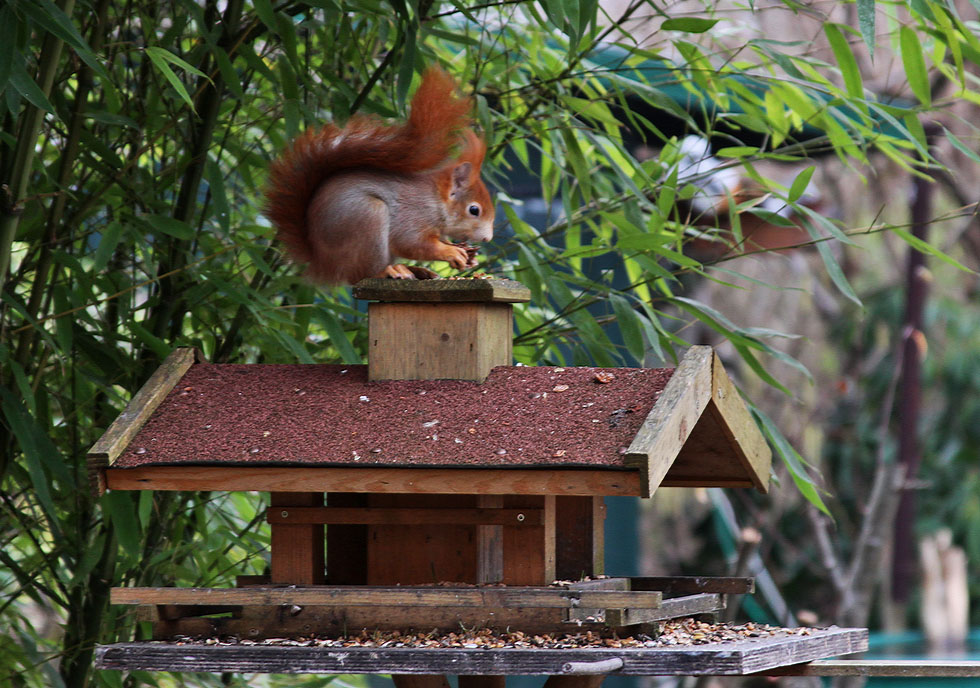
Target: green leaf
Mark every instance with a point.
(160, 59)
(849, 70)
(118, 506)
(866, 22)
(800, 184)
(688, 24)
(169, 225)
(8, 43)
(794, 462)
(928, 249)
(26, 87)
(630, 328)
(915, 65)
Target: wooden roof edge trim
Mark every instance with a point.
(671, 420)
(741, 430)
(139, 409)
(569, 482)
(493, 290)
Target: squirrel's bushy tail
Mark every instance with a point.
(425, 142)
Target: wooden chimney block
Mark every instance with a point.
(439, 329)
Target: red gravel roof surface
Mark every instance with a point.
(332, 415)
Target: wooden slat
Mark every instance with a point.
(377, 480)
(673, 417)
(732, 658)
(901, 668)
(296, 550)
(406, 516)
(743, 435)
(529, 553)
(368, 596)
(673, 608)
(442, 291)
(579, 537)
(490, 541)
(689, 585)
(139, 409)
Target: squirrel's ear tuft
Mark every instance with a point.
(473, 149)
(460, 178)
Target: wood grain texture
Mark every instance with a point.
(490, 538)
(735, 658)
(690, 585)
(673, 608)
(400, 554)
(378, 480)
(387, 596)
(140, 407)
(747, 442)
(332, 515)
(529, 553)
(296, 550)
(438, 341)
(579, 537)
(442, 291)
(672, 419)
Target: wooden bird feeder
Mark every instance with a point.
(435, 487)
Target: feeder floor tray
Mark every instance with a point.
(737, 657)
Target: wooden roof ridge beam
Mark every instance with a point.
(139, 409)
(699, 385)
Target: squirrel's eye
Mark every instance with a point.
(474, 209)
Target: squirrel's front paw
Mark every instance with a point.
(458, 257)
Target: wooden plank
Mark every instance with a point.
(672, 418)
(592, 616)
(732, 658)
(296, 550)
(332, 515)
(748, 444)
(456, 341)
(899, 668)
(689, 585)
(673, 608)
(424, 554)
(579, 537)
(529, 553)
(377, 480)
(442, 291)
(290, 621)
(383, 596)
(490, 539)
(139, 409)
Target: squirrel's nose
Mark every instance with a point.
(484, 232)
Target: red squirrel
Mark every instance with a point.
(348, 201)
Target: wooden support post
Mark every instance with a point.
(490, 544)
(482, 681)
(297, 551)
(529, 552)
(420, 681)
(579, 539)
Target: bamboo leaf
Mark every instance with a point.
(800, 184)
(688, 24)
(849, 70)
(915, 65)
(161, 59)
(866, 22)
(928, 249)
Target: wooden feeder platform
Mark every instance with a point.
(438, 461)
